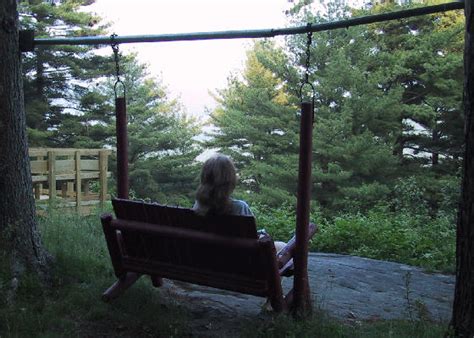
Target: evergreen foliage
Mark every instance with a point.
(162, 145)
(257, 126)
(70, 103)
(388, 108)
(60, 104)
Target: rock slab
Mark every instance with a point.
(343, 287)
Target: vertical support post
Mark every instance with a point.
(462, 320)
(301, 297)
(38, 190)
(70, 184)
(51, 175)
(78, 181)
(64, 189)
(85, 188)
(103, 168)
(122, 147)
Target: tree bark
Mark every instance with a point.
(463, 308)
(20, 244)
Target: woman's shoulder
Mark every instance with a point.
(240, 207)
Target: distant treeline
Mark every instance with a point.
(388, 128)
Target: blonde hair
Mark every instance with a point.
(218, 180)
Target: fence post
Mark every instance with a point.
(51, 175)
(103, 167)
(78, 181)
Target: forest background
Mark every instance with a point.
(388, 132)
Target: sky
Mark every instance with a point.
(193, 69)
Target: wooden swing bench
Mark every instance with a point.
(222, 251)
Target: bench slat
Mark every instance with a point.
(225, 225)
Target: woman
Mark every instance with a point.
(218, 181)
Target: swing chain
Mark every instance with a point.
(308, 54)
(115, 48)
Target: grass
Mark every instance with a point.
(82, 271)
(320, 326)
(72, 306)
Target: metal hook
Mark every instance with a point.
(115, 48)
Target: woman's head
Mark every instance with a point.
(218, 180)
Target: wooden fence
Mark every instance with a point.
(64, 176)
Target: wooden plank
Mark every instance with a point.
(65, 166)
(39, 167)
(66, 177)
(78, 181)
(62, 204)
(103, 168)
(90, 165)
(35, 152)
(51, 175)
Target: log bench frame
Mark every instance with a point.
(221, 251)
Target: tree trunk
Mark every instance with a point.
(20, 245)
(463, 308)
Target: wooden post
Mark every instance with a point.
(122, 147)
(51, 175)
(85, 188)
(462, 320)
(103, 168)
(301, 296)
(70, 184)
(64, 189)
(38, 190)
(78, 181)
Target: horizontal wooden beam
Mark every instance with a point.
(34, 152)
(63, 166)
(65, 177)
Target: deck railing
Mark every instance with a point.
(64, 176)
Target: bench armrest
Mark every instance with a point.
(286, 254)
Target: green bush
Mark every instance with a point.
(400, 237)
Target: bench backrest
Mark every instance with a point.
(225, 225)
(171, 242)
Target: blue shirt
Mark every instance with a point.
(238, 207)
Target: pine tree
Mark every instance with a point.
(257, 126)
(21, 249)
(162, 145)
(425, 58)
(374, 84)
(58, 79)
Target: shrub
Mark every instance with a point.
(400, 237)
